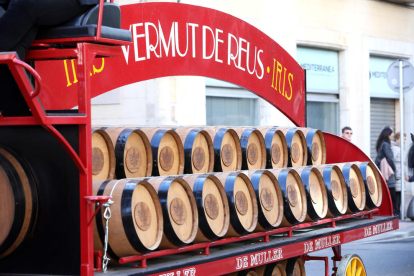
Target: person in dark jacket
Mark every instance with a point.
(383, 148)
(410, 162)
(23, 18)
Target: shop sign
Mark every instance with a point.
(322, 74)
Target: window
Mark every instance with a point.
(231, 111)
(322, 87)
(227, 104)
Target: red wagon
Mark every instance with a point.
(54, 140)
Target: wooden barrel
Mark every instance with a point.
(276, 147)
(136, 223)
(198, 150)
(335, 189)
(246, 272)
(316, 195)
(294, 267)
(18, 202)
(227, 149)
(103, 156)
(253, 148)
(316, 145)
(167, 151)
(179, 210)
(212, 204)
(133, 153)
(269, 198)
(296, 145)
(372, 182)
(242, 203)
(355, 187)
(272, 269)
(294, 196)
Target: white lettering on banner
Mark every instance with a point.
(321, 243)
(171, 41)
(177, 45)
(205, 42)
(186, 272)
(378, 229)
(135, 37)
(159, 43)
(259, 258)
(242, 262)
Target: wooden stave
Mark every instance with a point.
(305, 174)
(289, 134)
(244, 134)
(21, 229)
(268, 134)
(161, 185)
(263, 223)
(188, 148)
(325, 170)
(346, 170)
(155, 140)
(289, 218)
(217, 135)
(119, 142)
(236, 228)
(363, 167)
(204, 227)
(268, 270)
(310, 134)
(132, 236)
(111, 153)
(290, 265)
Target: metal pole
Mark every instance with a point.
(402, 139)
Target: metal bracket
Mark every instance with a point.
(336, 258)
(96, 199)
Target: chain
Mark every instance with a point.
(107, 216)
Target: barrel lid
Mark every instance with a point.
(202, 153)
(373, 184)
(8, 202)
(216, 207)
(296, 144)
(170, 153)
(356, 188)
(317, 192)
(254, 149)
(296, 196)
(103, 156)
(269, 198)
(137, 155)
(182, 210)
(338, 190)
(147, 215)
(317, 147)
(230, 150)
(242, 201)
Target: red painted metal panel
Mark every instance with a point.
(172, 39)
(255, 259)
(340, 150)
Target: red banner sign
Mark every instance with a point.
(171, 39)
(238, 263)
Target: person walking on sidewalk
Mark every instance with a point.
(410, 162)
(395, 147)
(385, 161)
